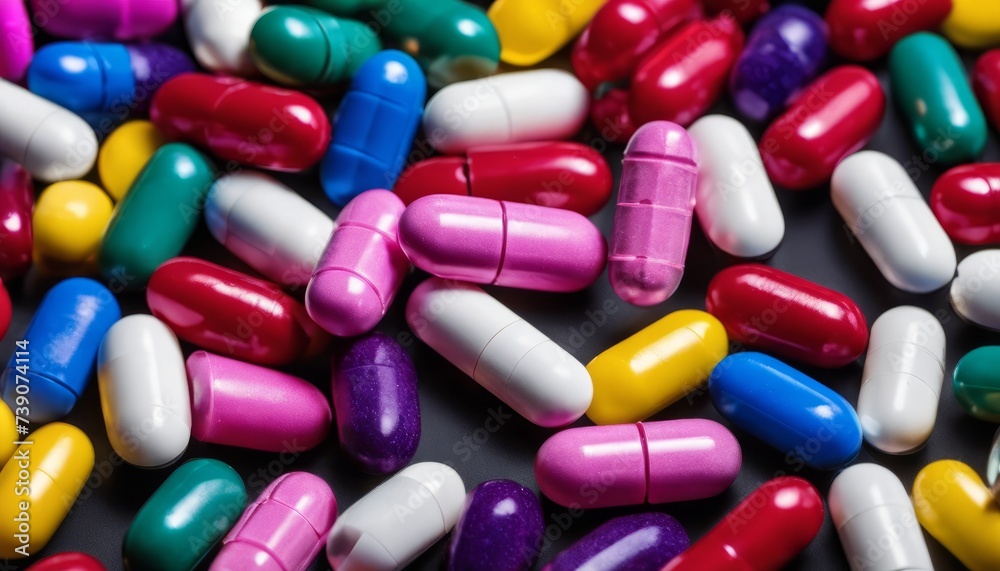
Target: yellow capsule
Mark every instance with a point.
(8, 433)
(38, 486)
(532, 30)
(657, 366)
(123, 155)
(955, 507)
(68, 222)
(973, 24)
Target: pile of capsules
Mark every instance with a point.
(504, 201)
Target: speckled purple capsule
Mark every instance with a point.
(784, 52)
(376, 403)
(500, 529)
(640, 542)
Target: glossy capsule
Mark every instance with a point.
(745, 11)
(649, 239)
(520, 107)
(764, 532)
(56, 362)
(621, 33)
(510, 244)
(785, 51)
(976, 384)
(655, 367)
(269, 226)
(358, 275)
(774, 311)
(242, 121)
(68, 223)
(17, 199)
(937, 100)
(874, 518)
(500, 351)
(885, 211)
(124, 153)
(18, 45)
(39, 485)
(686, 73)
(833, 117)
(532, 30)
(8, 433)
(374, 127)
(497, 508)
(218, 32)
(975, 291)
(973, 24)
(864, 31)
(240, 404)
(104, 19)
(184, 518)
(374, 388)
(556, 174)
(986, 85)
(5, 310)
(735, 202)
(638, 541)
(632, 464)
(232, 314)
(284, 529)
(301, 46)
(157, 217)
(958, 510)
(68, 561)
(811, 424)
(966, 202)
(609, 115)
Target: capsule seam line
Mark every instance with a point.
(645, 456)
(503, 243)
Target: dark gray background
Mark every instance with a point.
(455, 409)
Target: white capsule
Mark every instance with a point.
(268, 226)
(735, 202)
(394, 523)
(975, 293)
(500, 351)
(144, 392)
(875, 521)
(537, 105)
(51, 143)
(219, 32)
(901, 383)
(885, 211)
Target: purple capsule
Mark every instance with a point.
(152, 65)
(784, 52)
(376, 404)
(641, 542)
(500, 529)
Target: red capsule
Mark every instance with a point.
(243, 121)
(966, 201)
(563, 175)
(832, 118)
(5, 310)
(764, 532)
(745, 11)
(863, 30)
(17, 199)
(67, 561)
(684, 76)
(774, 311)
(609, 115)
(232, 314)
(621, 33)
(986, 83)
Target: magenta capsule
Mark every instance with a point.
(240, 404)
(284, 529)
(652, 225)
(362, 267)
(18, 43)
(105, 19)
(631, 464)
(487, 241)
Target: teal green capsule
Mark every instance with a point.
(930, 85)
(193, 508)
(157, 216)
(976, 383)
(350, 7)
(296, 45)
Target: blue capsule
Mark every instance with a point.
(809, 422)
(374, 127)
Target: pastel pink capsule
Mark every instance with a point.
(105, 19)
(283, 530)
(362, 267)
(240, 404)
(485, 241)
(631, 464)
(652, 225)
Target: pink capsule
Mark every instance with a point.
(631, 464)
(18, 45)
(362, 267)
(649, 240)
(283, 530)
(105, 19)
(487, 241)
(240, 404)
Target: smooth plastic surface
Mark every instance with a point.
(219, 33)
(8, 433)
(105, 19)
(976, 384)
(68, 222)
(68, 561)
(745, 11)
(124, 153)
(532, 30)
(499, 529)
(17, 199)
(966, 202)
(19, 45)
(863, 31)
(973, 24)
(639, 541)
(975, 291)
(986, 85)
(5, 310)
